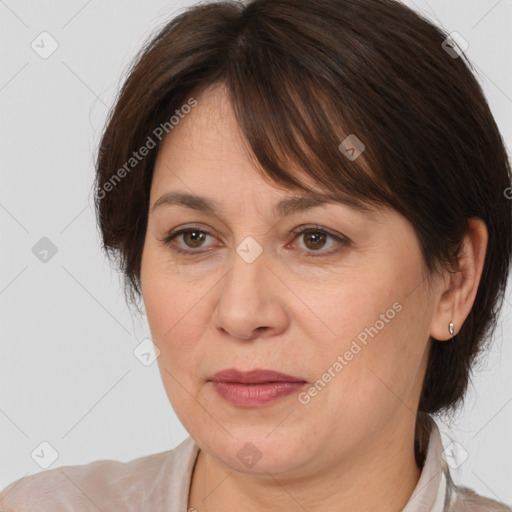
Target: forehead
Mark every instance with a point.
(206, 151)
(209, 132)
(205, 162)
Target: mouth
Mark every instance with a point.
(255, 388)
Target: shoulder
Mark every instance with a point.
(451, 497)
(467, 500)
(144, 483)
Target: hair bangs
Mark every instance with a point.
(293, 126)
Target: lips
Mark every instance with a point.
(257, 376)
(255, 388)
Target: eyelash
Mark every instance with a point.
(312, 229)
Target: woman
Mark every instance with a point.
(309, 197)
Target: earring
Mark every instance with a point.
(451, 328)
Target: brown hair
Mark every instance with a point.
(303, 75)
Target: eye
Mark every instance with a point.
(316, 238)
(192, 237)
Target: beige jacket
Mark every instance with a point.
(160, 482)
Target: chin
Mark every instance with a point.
(254, 451)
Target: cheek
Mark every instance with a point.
(351, 308)
(175, 329)
(167, 295)
(177, 312)
(173, 313)
(377, 342)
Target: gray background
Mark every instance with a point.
(68, 373)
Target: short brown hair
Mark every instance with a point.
(301, 75)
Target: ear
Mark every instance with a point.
(460, 286)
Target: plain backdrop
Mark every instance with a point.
(69, 377)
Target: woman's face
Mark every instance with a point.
(349, 320)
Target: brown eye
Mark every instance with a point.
(190, 238)
(314, 239)
(194, 238)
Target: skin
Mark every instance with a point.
(352, 446)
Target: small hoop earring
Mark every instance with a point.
(451, 328)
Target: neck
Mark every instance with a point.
(380, 476)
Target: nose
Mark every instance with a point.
(249, 303)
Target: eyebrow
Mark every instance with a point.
(282, 208)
